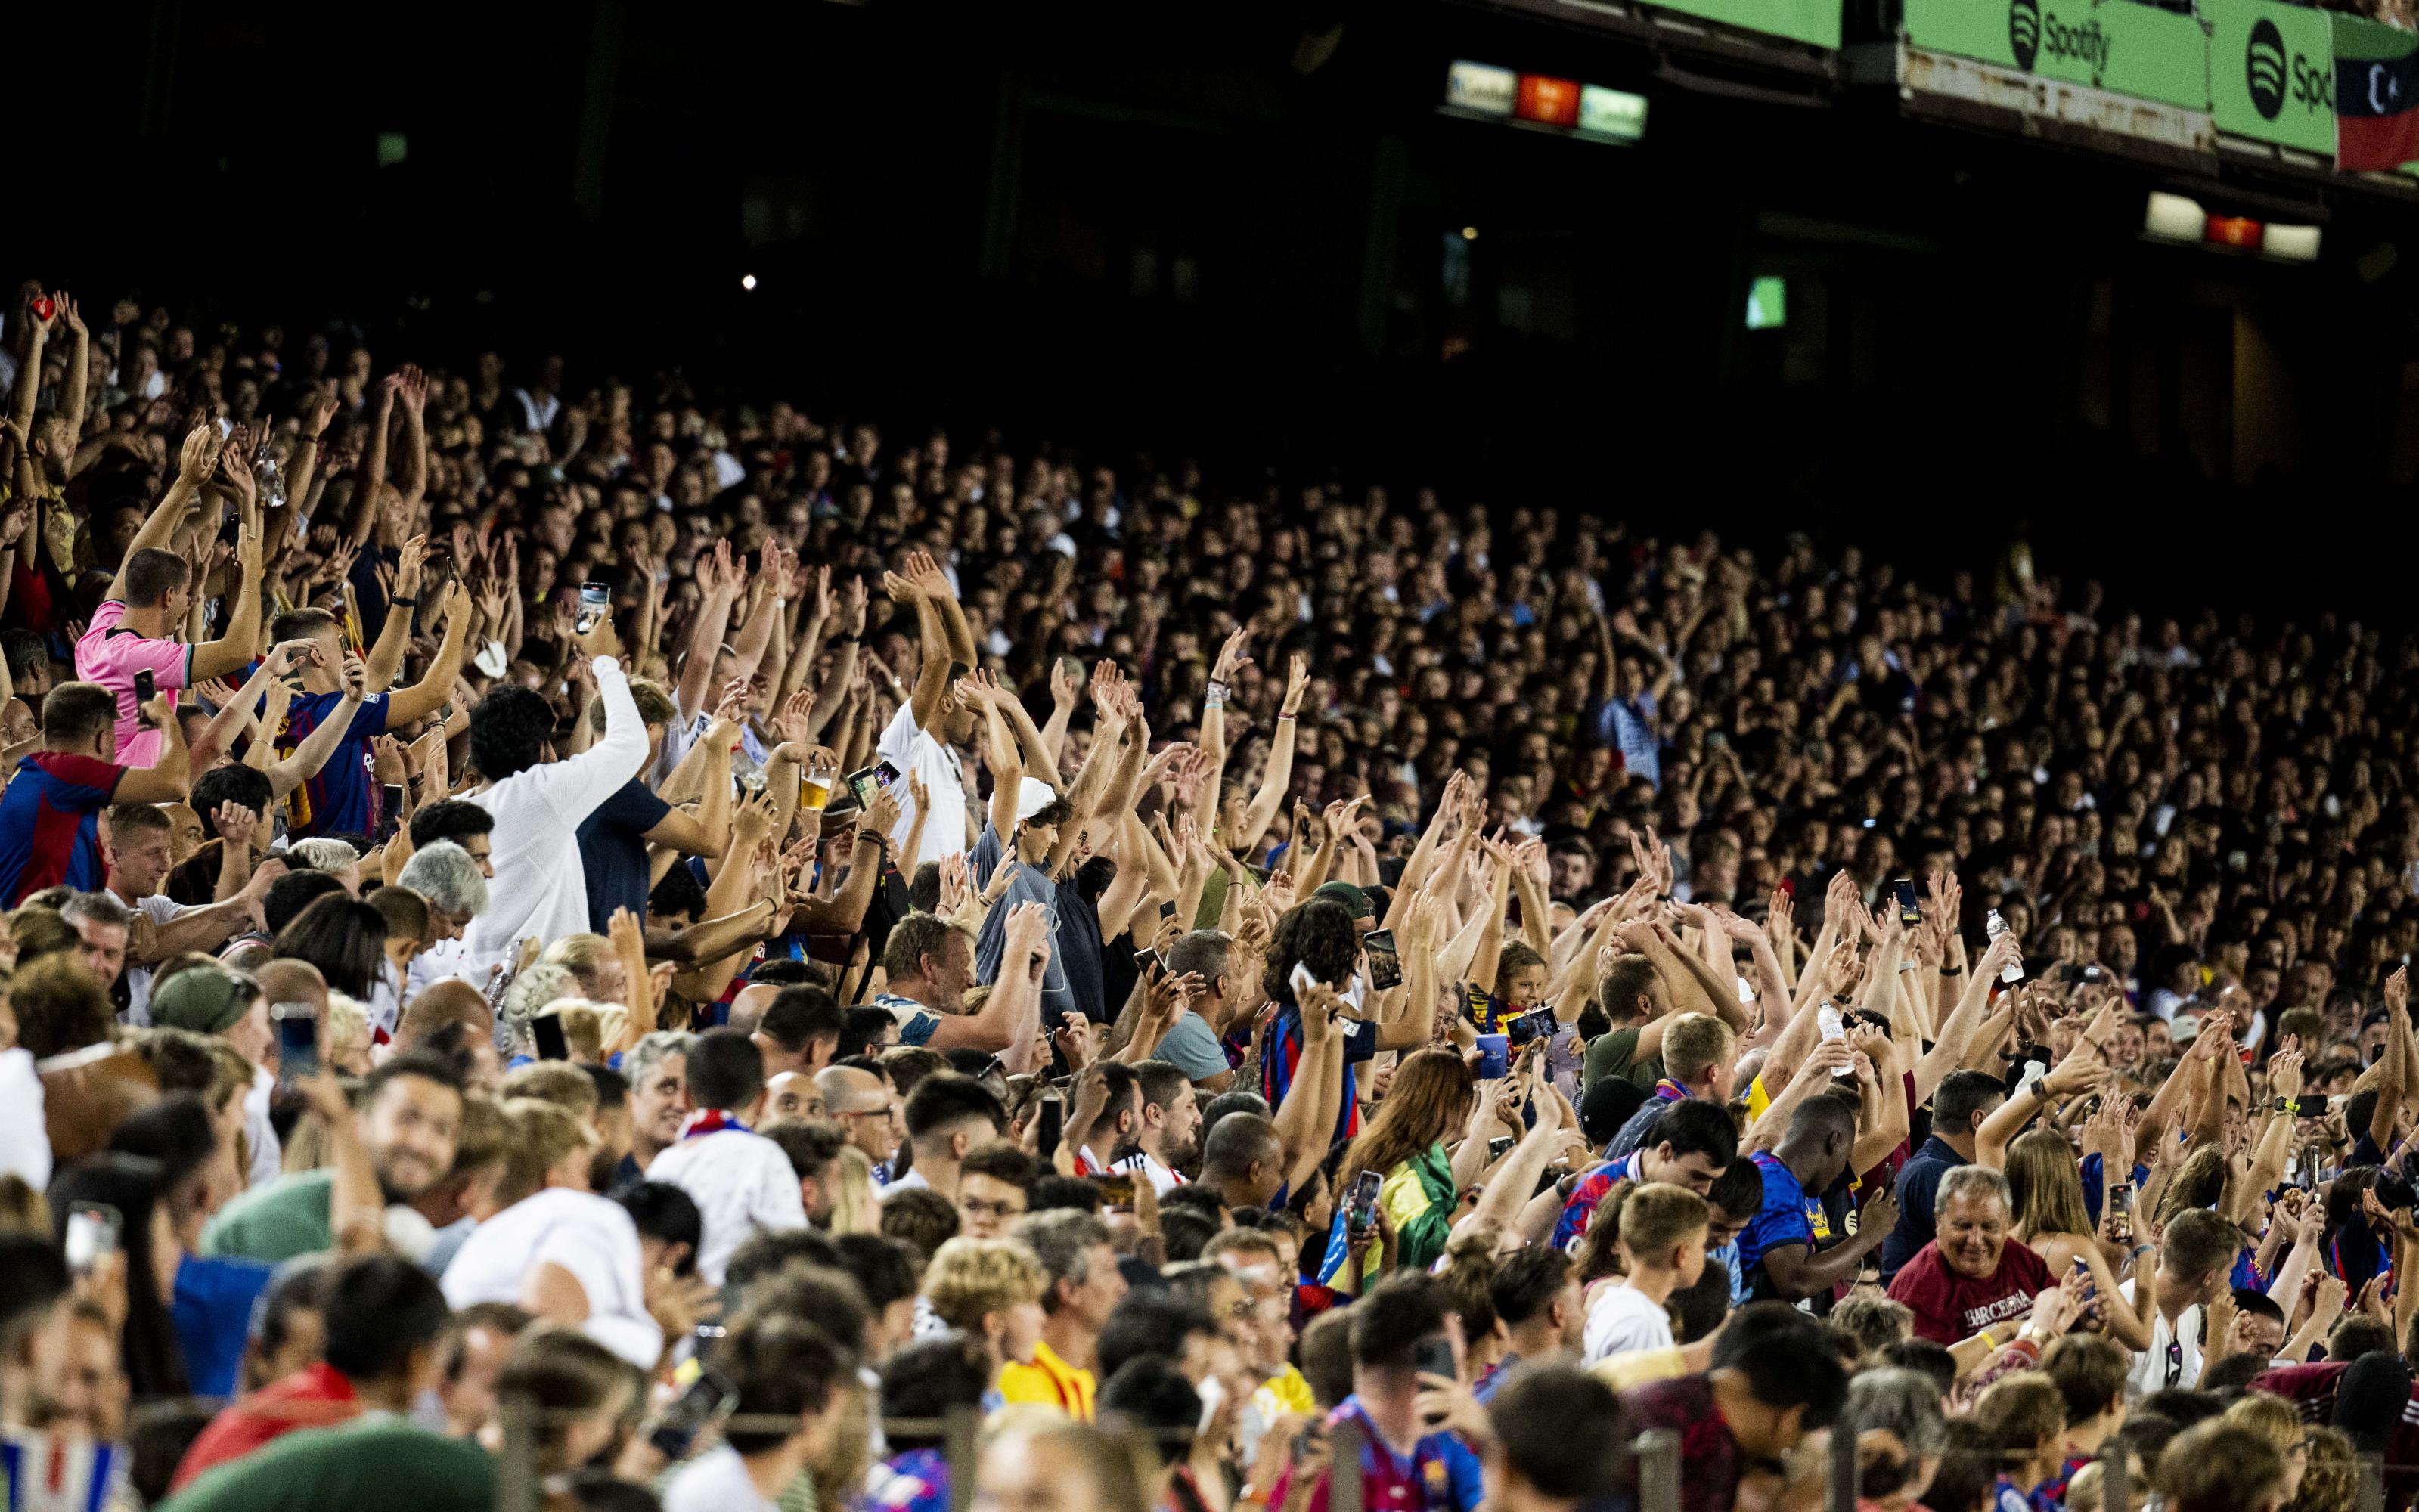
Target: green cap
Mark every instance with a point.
(1353, 898)
(206, 999)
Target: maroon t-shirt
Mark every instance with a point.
(1949, 1307)
(1707, 1449)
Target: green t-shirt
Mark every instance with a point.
(378, 1465)
(277, 1222)
(1615, 1054)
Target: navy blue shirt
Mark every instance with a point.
(613, 852)
(1917, 1181)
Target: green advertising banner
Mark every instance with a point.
(2116, 45)
(2272, 72)
(1804, 20)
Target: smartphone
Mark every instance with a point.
(1434, 1356)
(1386, 963)
(390, 810)
(1147, 962)
(992, 1067)
(1054, 1119)
(2310, 1105)
(1362, 1213)
(866, 782)
(547, 1029)
(707, 1401)
(1167, 909)
(2090, 1288)
(2120, 1202)
(298, 1038)
(1117, 1189)
(92, 1233)
(146, 687)
(1536, 1024)
(595, 602)
(1498, 1148)
(1908, 913)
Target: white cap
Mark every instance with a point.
(1031, 799)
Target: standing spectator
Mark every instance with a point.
(1773, 1380)
(1967, 1288)
(50, 817)
(948, 1115)
(1958, 1106)
(1403, 1465)
(1169, 1136)
(1785, 1241)
(1663, 1242)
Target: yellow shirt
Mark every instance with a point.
(1050, 1382)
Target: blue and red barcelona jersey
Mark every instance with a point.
(1285, 1052)
(50, 823)
(342, 797)
(1588, 1193)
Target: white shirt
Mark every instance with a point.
(1621, 1319)
(267, 1157)
(590, 1237)
(159, 907)
(715, 1481)
(25, 1138)
(1142, 1162)
(740, 1182)
(911, 748)
(2149, 1373)
(541, 888)
(913, 1182)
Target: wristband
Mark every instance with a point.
(1219, 689)
(1214, 698)
(404, 604)
(1988, 1342)
(1904, 966)
(873, 837)
(1952, 970)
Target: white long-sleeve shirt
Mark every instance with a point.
(590, 1238)
(541, 888)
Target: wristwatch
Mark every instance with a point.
(2280, 1105)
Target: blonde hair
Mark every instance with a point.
(971, 1277)
(348, 1021)
(559, 1082)
(23, 1209)
(2046, 1185)
(541, 1136)
(583, 955)
(2272, 1418)
(854, 1208)
(1657, 1216)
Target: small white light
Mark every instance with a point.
(746, 281)
(1469, 233)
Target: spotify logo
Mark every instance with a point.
(2024, 31)
(2266, 66)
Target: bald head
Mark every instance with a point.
(449, 1001)
(847, 1089)
(1240, 1141)
(747, 1009)
(865, 1108)
(792, 1094)
(285, 980)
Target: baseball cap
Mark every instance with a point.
(2184, 1029)
(206, 999)
(1354, 900)
(1031, 799)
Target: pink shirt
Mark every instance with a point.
(111, 657)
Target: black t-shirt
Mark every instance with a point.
(613, 852)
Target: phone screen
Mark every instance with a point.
(92, 1232)
(547, 1029)
(1521, 1028)
(1117, 1189)
(2310, 1105)
(1053, 1117)
(1499, 1147)
(297, 1039)
(1385, 963)
(707, 1399)
(1365, 1187)
(1908, 913)
(861, 785)
(146, 687)
(390, 810)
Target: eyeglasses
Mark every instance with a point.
(977, 1208)
(886, 1114)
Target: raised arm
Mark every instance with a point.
(1278, 774)
(167, 779)
(241, 640)
(369, 480)
(195, 463)
(718, 578)
(429, 694)
(386, 654)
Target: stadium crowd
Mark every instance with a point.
(685, 950)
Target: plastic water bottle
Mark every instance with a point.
(1995, 926)
(268, 479)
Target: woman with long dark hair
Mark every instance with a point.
(343, 937)
(133, 1186)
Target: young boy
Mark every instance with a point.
(1663, 1244)
(740, 1180)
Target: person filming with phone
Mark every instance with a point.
(1409, 1401)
